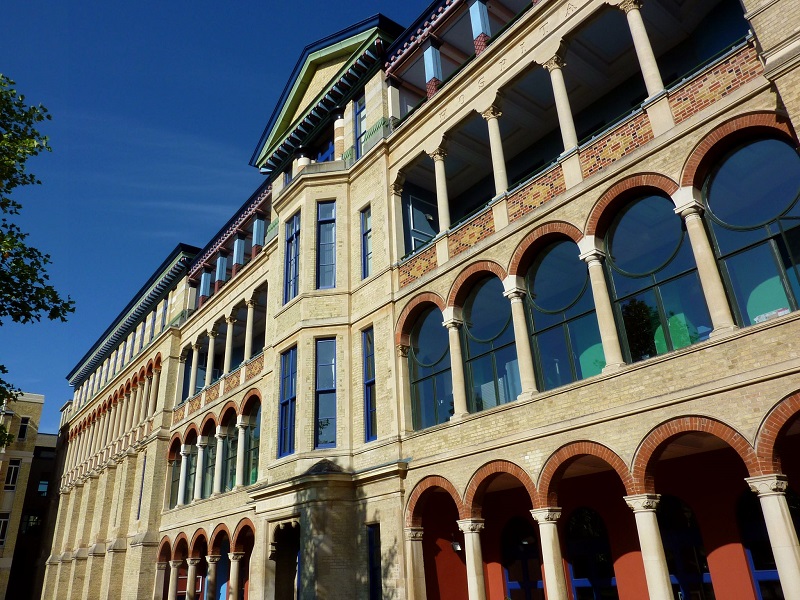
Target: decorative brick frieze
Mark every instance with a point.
(619, 142)
(470, 233)
(231, 381)
(177, 414)
(418, 265)
(212, 393)
(536, 193)
(193, 405)
(254, 367)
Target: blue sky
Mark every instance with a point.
(157, 107)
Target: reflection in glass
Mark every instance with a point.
(429, 371)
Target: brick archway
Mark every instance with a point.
(461, 286)
(199, 535)
(622, 190)
(524, 253)
(240, 527)
(651, 446)
(410, 313)
(425, 484)
(771, 429)
(473, 496)
(213, 542)
(561, 459)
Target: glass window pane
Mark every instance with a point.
(429, 339)
(554, 358)
(509, 386)
(756, 284)
(444, 397)
(486, 311)
(685, 308)
(327, 210)
(425, 413)
(484, 391)
(557, 278)
(640, 316)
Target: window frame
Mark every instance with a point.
(12, 474)
(366, 242)
(22, 432)
(288, 402)
(323, 223)
(291, 272)
(319, 391)
(374, 563)
(359, 123)
(370, 407)
(5, 519)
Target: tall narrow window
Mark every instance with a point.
(210, 460)
(231, 452)
(429, 371)
(133, 344)
(374, 559)
(366, 242)
(4, 518)
(191, 473)
(326, 245)
(370, 409)
(141, 335)
(164, 308)
(292, 270)
(253, 441)
(175, 480)
(287, 402)
(12, 473)
(23, 428)
(153, 324)
(359, 124)
(325, 404)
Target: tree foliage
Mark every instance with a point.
(25, 294)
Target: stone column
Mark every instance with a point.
(161, 573)
(191, 576)
(415, 563)
(248, 332)
(233, 581)
(184, 471)
(522, 339)
(404, 389)
(338, 135)
(474, 557)
(655, 563)
(129, 417)
(193, 374)
(154, 391)
(230, 321)
(218, 462)
(174, 565)
(565, 121)
(771, 490)
(442, 200)
(178, 399)
(212, 336)
(644, 51)
(146, 399)
(492, 114)
(202, 442)
(690, 210)
(552, 560)
(457, 368)
(211, 576)
(602, 306)
(241, 426)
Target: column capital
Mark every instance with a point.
(202, 441)
(515, 294)
(593, 255)
(235, 556)
(250, 303)
(402, 350)
(549, 514)
(452, 323)
(176, 564)
(438, 154)
(242, 422)
(213, 559)
(193, 562)
(196, 346)
(185, 449)
(212, 333)
(643, 502)
(396, 188)
(492, 112)
(230, 320)
(414, 534)
(162, 566)
(470, 525)
(768, 485)
(554, 63)
(629, 5)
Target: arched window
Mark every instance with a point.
(753, 214)
(253, 440)
(209, 466)
(191, 473)
(229, 459)
(489, 351)
(566, 337)
(429, 371)
(684, 550)
(174, 473)
(591, 566)
(655, 286)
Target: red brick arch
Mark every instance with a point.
(247, 401)
(229, 405)
(462, 285)
(771, 429)
(721, 138)
(531, 243)
(244, 523)
(411, 311)
(619, 192)
(191, 428)
(557, 464)
(650, 448)
(180, 542)
(164, 550)
(431, 481)
(213, 543)
(206, 419)
(473, 497)
(193, 550)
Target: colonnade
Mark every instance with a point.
(212, 560)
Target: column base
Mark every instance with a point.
(659, 113)
(721, 332)
(571, 165)
(458, 417)
(610, 368)
(528, 395)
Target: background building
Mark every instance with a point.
(516, 307)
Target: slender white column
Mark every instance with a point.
(211, 576)
(714, 291)
(442, 200)
(644, 51)
(457, 368)
(248, 332)
(145, 401)
(476, 588)
(527, 375)
(131, 409)
(492, 116)
(218, 462)
(161, 573)
(184, 472)
(228, 344)
(241, 426)
(212, 336)
(233, 581)
(191, 577)
(552, 560)
(655, 562)
(154, 391)
(195, 367)
(771, 490)
(563, 109)
(202, 442)
(415, 563)
(602, 306)
(174, 565)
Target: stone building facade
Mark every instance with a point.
(513, 315)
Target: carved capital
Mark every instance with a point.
(414, 534)
(162, 566)
(230, 320)
(768, 485)
(236, 556)
(592, 256)
(452, 323)
(554, 63)
(515, 294)
(470, 525)
(438, 154)
(549, 514)
(193, 562)
(213, 559)
(176, 564)
(643, 502)
(396, 189)
(402, 350)
(492, 113)
(250, 303)
(629, 5)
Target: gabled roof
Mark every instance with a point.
(342, 50)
